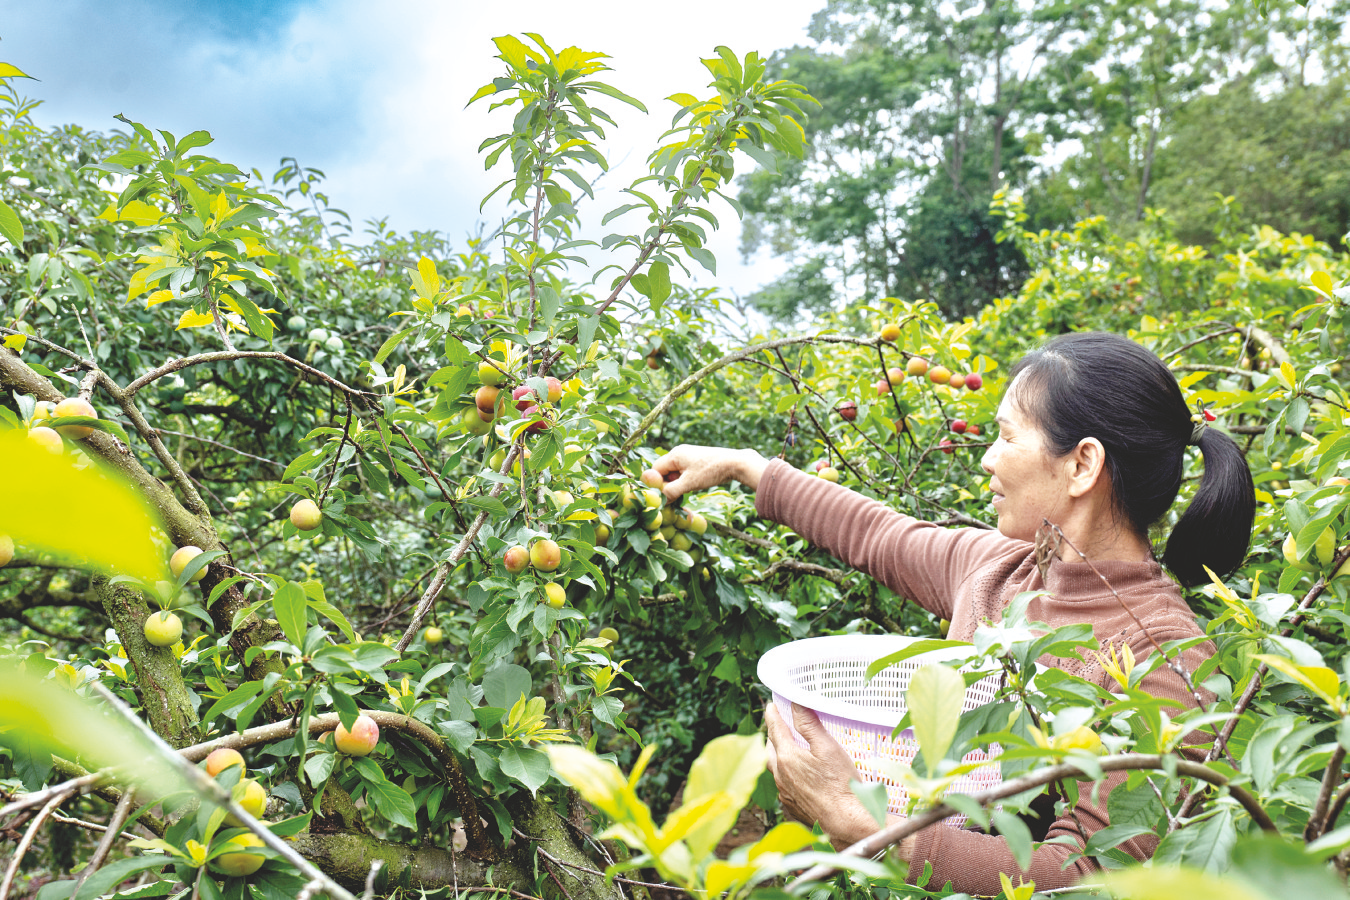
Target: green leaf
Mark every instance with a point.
(392, 802)
(874, 797)
(289, 603)
(318, 767)
(1017, 835)
(84, 514)
(1169, 883)
(935, 696)
(505, 685)
(113, 874)
(658, 276)
(393, 341)
(606, 708)
(729, 765)
(10, 226)
(529, 767)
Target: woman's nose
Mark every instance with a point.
(987, 460)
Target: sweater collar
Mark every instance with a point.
(1069, 581)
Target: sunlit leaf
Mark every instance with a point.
(75, 510)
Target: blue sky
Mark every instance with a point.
(374, 93)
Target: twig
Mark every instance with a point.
(895, 832)
(1317, 823)
(199, 438)
(1227, 329)
(370, 879)
(73, 785)
(27, 839)
(119, 817)
(443, 570)
(208, 788)
(562, 862)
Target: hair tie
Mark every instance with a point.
(1197, 432)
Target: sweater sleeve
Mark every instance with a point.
(972, 861)
(918, 560)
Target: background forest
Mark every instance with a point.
(984, 176)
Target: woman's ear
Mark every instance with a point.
(1086, 466)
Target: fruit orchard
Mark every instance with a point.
(404, 561)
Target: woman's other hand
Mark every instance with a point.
(690, 468)
(813, 781)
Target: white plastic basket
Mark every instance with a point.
(828, 675)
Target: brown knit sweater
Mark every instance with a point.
(968, 576)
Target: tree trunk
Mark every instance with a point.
(164, 696)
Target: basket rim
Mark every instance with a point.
(868, 647)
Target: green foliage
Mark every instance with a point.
(317, 394)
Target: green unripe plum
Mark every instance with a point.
(681, 541)
(653, 498)
(296, 323)
(667, 531)
(333, 344)
(238, 863)
(696, 554)
(545, 555)
(318, 335)
(554, 595)
(602, 534)
(163, 629)
(488, 373)
(252, 796)
(697, 524)
(651, 520)
(306, 515)
(474, 423)
(180, 559)
(609, 634)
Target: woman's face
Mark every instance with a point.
(1029, 484)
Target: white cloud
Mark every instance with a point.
(374, 94)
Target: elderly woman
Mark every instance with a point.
(1093, 431)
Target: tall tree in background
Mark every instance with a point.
(1179, 104)
(1091, 109)
(926, 114)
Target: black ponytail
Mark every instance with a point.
(1104, 386)
(1217, 527)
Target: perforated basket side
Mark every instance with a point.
(873, 752)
